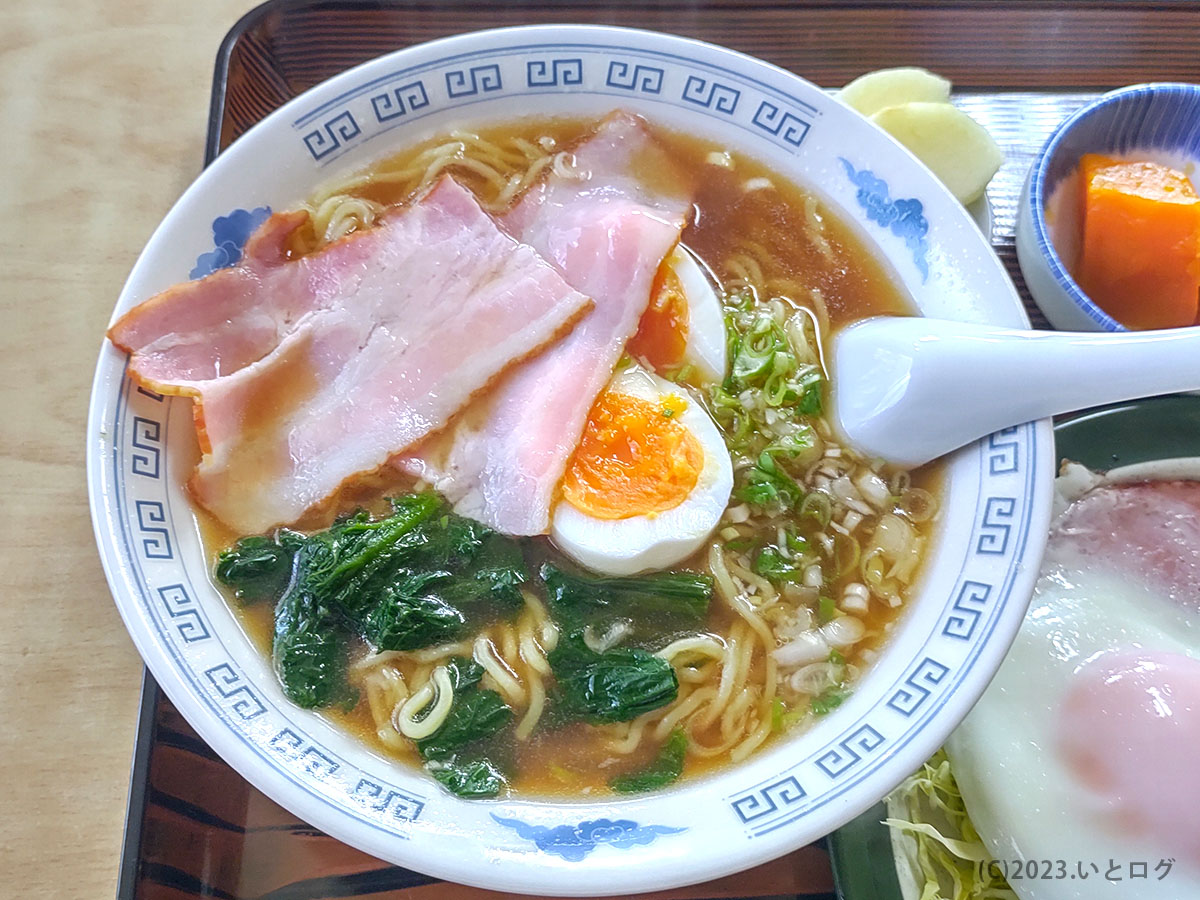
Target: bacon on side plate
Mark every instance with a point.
(307, 372)
(609, 232)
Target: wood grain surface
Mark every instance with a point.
(103, 109)
(102, 124)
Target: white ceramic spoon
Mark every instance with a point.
(908, 390)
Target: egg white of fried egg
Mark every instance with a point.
(1085, 748)
(649, 481)
(684, 325)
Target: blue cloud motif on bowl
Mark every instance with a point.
(905, 218)
(574, 842)
(230, 234)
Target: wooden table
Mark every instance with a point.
(102, 118)
(102, 123)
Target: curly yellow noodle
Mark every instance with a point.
(631, 736)
(537, 704)
(504, 679)
(440, 691)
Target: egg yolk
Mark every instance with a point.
(635, 458)
(661, 338)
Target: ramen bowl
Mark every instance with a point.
(969, 601)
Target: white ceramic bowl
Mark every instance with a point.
(971, 600)
(1160, 122)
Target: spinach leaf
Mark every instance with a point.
(666, 767)
(406, 618)
(614, 686)
(464, 673)
(664, 601)
(468, 778)
(358, 558)
(309, 651)
(474, 716)
(491, 577)
(259, 567)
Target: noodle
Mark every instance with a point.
(416, 718)
(504, 678)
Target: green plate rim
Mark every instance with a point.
(1102, 438)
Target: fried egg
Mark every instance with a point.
(1083, 748)
(648, 482)
(684, 325)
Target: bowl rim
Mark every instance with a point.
(1036, 196)
(554, 878)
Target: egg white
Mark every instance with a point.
(1026, 803)
(706, 349)
(658, 540)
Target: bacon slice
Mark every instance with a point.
(307, 372)
(502, 461)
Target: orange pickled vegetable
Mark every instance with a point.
(1140, 257)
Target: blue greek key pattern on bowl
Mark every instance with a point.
(772, 798)
(399, 101)
(147, 434)
(711, 94)
(472, 81)
(918, 686)
(384, 799)
(1003, 447)
(635, 77)
(838, 760)
(904, 218)
(332, 134)
(182, 610)
(968, 607)
(574, 842)
(554, 72)
(152, 523)
(773, 120)
(145, 392)
(404, 96)
(230, 686)
(295, 748)
(997, 524)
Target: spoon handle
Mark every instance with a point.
(926, 386)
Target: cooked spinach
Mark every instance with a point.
(666, 768)
(468, 778)
(475, 715)
(352, 563)
(412, 579)
(405, 617)
(259, 567)
(663, 601)
(464, 672)
(614, 686)
(309, 651)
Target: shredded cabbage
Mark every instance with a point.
(944, 848)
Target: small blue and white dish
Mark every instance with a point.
(1158, 121)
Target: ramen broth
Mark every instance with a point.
(742, 210)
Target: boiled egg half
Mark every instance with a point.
(648, 482)
(684, 325)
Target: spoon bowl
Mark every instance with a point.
(909, 390)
